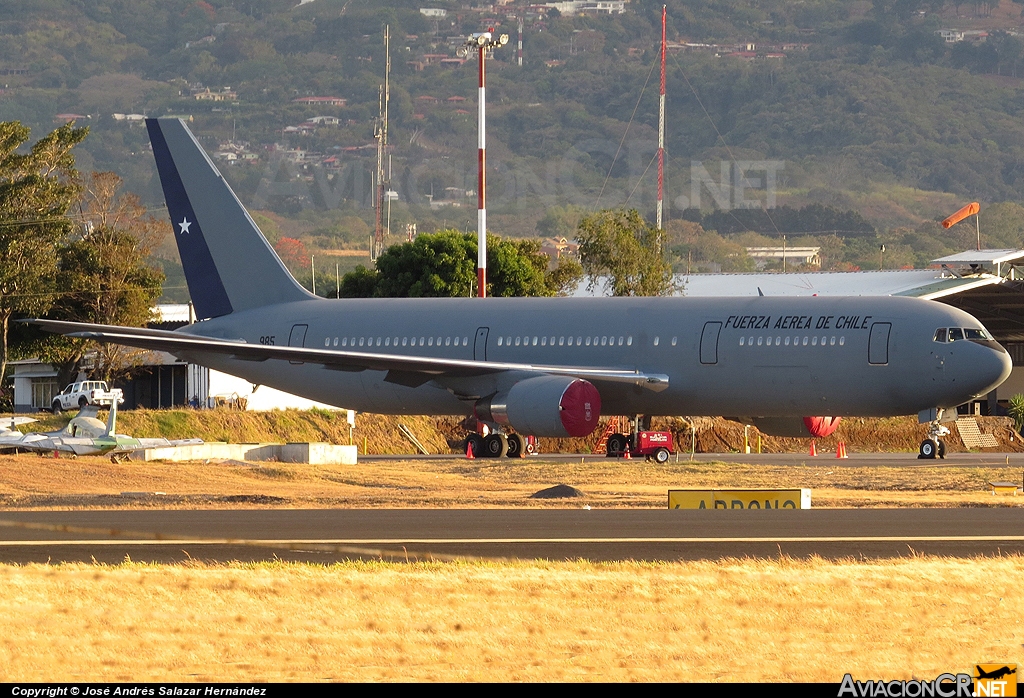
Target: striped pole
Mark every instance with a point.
(481, 214)
(661, 126)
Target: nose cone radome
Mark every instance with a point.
(987, 367)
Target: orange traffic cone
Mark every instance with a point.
(625, 454)
(841, 450)
(814, 451)
(469, 450)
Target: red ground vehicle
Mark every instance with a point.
(650, 444)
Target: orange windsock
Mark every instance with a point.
(968, 210)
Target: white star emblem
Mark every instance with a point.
(185, 223)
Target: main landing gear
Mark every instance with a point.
(497, 445)
(933, 446)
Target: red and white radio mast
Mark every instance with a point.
(661, 126)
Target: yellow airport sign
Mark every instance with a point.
(740, 499)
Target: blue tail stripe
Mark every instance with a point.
(209, 298)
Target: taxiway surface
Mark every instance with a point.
(327, 535)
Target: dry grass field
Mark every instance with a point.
(736, 620)
(29, 480)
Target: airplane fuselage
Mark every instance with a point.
(754, 356)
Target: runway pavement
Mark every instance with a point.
(326, 535)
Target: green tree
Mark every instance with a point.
(36, 190)
(619, 247)
(104, 278)
(443, 264)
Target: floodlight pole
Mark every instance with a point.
(481, 181)
(482, 42)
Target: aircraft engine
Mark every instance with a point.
(796, 427)
(556, 406)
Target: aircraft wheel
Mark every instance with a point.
(616, 445)
(929, 448)
(495, 446)
(661, 455)
(56, 407)
(942, 449)
(475, 443)
(516, 446)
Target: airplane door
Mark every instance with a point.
(709, 342)
(297, 338)
(878, 343)
(480, 344)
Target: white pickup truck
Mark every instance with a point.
(86, 393)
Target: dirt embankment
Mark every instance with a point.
(381, 434)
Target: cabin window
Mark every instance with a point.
(759, 341)
(768, 342)
(787, 341)
(629, 341)
(327, 342)
(657, 341)
(588, 341)
(361, 340)
(569, 343)
(561, 341)
(500, 340)
(842, 341)
(604, 341)
(674, 340)
(814, 341)
(543, 341)
(742, 341)
(804, 342)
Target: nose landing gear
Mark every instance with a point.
(933, 446)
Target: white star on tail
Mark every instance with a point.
(185, 223)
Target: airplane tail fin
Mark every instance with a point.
(229, 265)
(112, 419)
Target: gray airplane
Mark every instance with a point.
(547, 366)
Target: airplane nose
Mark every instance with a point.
(988, 368)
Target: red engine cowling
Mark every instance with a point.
(820, 427)
(795, 427)
(555, 406)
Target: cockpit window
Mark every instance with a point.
(955, 334)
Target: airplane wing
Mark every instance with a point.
(402, 369)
